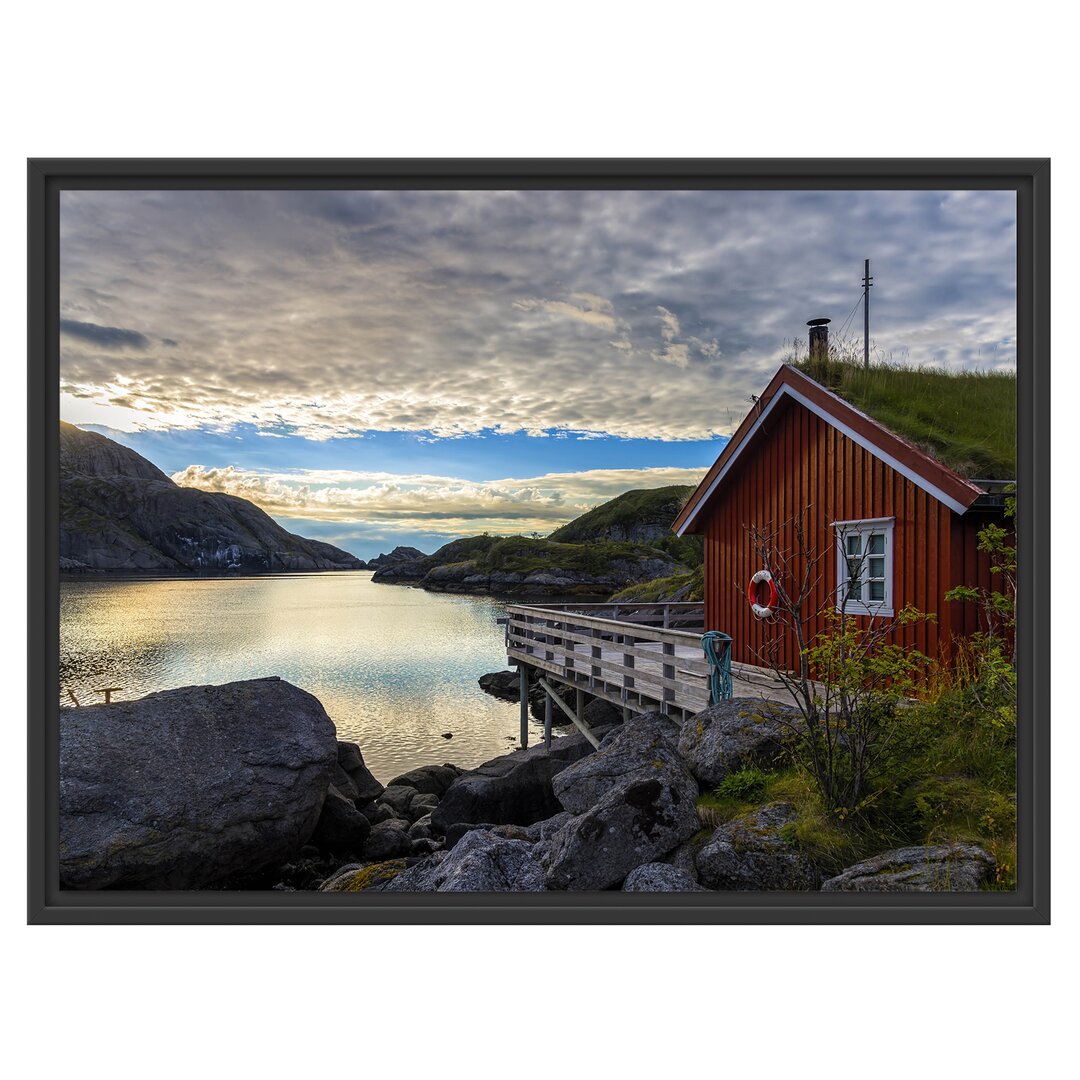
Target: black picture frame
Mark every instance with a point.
(1029, 904)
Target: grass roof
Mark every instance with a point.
(965, 419)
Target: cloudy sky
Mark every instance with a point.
(376, 368)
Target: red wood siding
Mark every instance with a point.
(800, 466)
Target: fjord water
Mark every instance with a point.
(394, 667)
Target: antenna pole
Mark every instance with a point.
(867, 282)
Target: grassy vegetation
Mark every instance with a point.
(686, 588)
(966, 419)
(950, 775)
(632, 509)
(524, 556)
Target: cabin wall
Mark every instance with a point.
(802, 468)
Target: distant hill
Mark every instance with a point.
(120, 512)
(621, 543)
(640, 515)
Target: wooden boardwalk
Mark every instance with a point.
(641, 657)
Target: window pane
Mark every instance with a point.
(877, 590)
(854, 590)
(854, 544)
(876, 545)
(877, 568)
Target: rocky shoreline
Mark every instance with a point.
(246, 786)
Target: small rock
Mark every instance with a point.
(481, 862)
(388, 840)
(357, 877)
(660, 877)
(933, 868)
(428, 779)
(750, 853)
(341, 828)
(398, 797)
(351, 761)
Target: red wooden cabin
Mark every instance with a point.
(804, 452)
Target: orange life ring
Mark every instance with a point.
(755, 593)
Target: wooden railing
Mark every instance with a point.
(643, 655)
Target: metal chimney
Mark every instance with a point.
(819, 338)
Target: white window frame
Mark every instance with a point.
(864, 527)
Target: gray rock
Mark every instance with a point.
(641, 814)
(352, 762)
(421, 829)
(480, 862)
(377, 811)
(733, 734)
(361, 877)
(188, 787)
(505, 685)
(514, 789)
(341, 828)
(642, 746)
(428, 779)
(934, 868)
(398, 797)
(751, 853)
(388, 840)
(344, 784)
(544, 830)
(422, 806)
(660, 877)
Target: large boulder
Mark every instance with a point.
(753, 852)
(732, 734)
(185, 788)
(639, 746)
(514, 789)
(660, 877)
(480, 862)
(637, 803)
(933, 868)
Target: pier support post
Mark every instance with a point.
(523, 684)
(547, 720)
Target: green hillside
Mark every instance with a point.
(641, 516)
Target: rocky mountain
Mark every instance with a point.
(120, 512)
(398, 555)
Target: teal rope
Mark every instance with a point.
(717, 648)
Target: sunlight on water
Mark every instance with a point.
(394, 667)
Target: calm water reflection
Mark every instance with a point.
(394, 667)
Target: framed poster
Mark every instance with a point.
(539, 541)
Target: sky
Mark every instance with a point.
(376, 368)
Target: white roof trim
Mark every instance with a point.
(854, 436)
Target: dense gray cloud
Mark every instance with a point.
(107, 336)
(639, 314)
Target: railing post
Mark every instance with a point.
(667, 693)
(547, 720)
(628, 661)
(597, 655)
(523, 685)
(568, 650)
